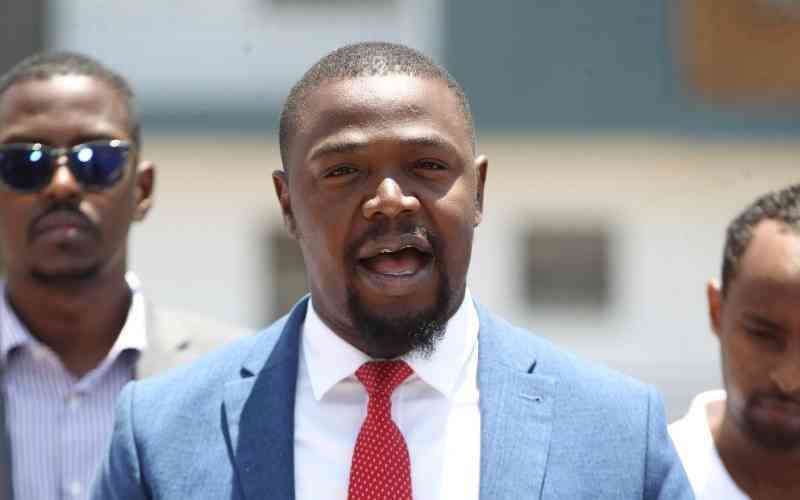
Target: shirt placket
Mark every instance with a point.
(72, 443)
(46, 365)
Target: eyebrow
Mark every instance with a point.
(345, 146)
(19, 139)
(761, 321)
(83, 139)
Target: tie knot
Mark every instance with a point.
(383, 377)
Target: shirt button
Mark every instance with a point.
(73, 403)
(75, 488)
(38, 353)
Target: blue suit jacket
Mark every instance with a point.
(553, 427)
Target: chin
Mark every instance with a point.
(777, 440)
(400, 326)
(771, 435)
(399, 308)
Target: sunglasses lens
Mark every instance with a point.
(100, 165)
(24, 169)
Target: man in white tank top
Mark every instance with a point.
(744, 442)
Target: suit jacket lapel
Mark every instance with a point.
(516, 408)
(258, 414)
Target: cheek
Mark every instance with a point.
(113, 210)
(323, 222)
(322, 247)
(744, 370)
(459, 202)
(14, 220)
(454, 220)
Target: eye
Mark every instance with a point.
(431, 165)
(760, 333)
(767, 337)
(340, 171)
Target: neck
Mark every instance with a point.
(761, 473)
(79, 320)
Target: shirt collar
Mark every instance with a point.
(13, 333)
(698, 409)
(134, 332)
(330, 359)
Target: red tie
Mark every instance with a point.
(381, 469)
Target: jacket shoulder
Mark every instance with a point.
(577, 377)
(176, 338)
(204, 332)
(209, 372)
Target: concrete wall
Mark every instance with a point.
(666, 202)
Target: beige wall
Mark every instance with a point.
(666, 202)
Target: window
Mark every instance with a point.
(287, 272)
(332, 3)
(567, 266)
(741, 51)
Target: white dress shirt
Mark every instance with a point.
(436, 410)
(695, 444)
(59, 424)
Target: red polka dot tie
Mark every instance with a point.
(381, 468)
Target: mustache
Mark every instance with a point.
(63, 207)
(775, 396)
(388, 228)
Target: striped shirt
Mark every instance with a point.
(59, 424)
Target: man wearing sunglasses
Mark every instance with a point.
(74, 324)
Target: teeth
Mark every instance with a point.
(386, 251)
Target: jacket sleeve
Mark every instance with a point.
(119, 476)
(664, 477)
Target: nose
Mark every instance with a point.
(389, 200)
(63, 185)
(787, 375)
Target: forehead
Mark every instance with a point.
(380, 107)
(61, 108)
(771, 264)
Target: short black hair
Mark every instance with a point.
(361, 60)
(782, 206)
(45, 65)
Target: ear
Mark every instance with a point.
(714, 295)
(281, 182)
(145, 183)
(481, 166)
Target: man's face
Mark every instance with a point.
(383, 193)
(758, 325)
(65, 232)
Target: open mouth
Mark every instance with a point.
(398, 265)
(400, 262)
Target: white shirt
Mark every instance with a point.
(60, 425)
(436, 410)
(692, 437)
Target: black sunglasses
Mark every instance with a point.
(95, 165)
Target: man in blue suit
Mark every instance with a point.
(388, 381)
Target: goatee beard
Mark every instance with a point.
(775, 439)
(418, 334)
